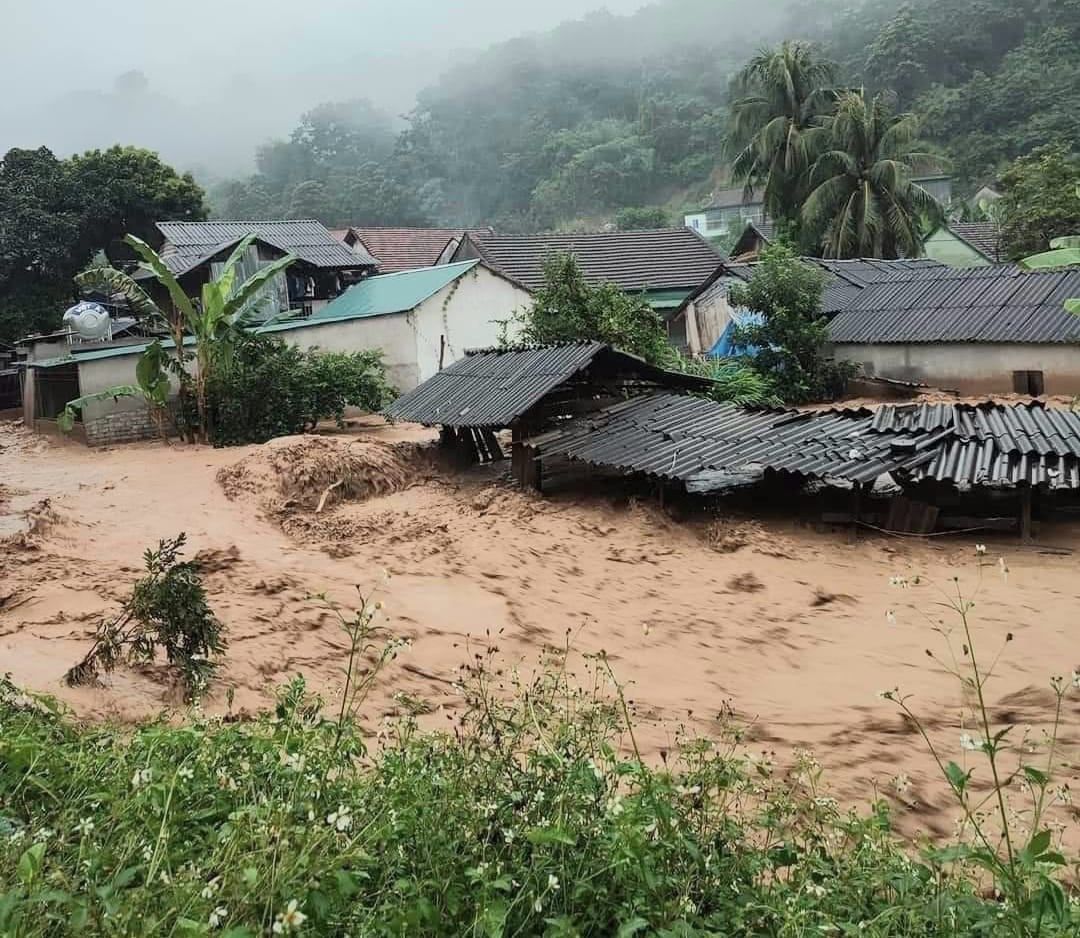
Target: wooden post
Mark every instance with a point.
(1025, 515)
(856, 510)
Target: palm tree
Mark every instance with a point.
(862, 202)
(213, 322)
(785, 93)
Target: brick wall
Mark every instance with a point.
(124, 427)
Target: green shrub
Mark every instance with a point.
(167, 610)
(271, 389)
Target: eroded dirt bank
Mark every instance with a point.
(787, 626)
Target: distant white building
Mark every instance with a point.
(728, 212)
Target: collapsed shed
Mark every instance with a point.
(589, 405)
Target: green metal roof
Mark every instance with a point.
(666, 299)
(383, 295)
(113, 351)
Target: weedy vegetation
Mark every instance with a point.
(533, 813)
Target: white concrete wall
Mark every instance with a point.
(104, 373)
(466, 313)
(972, 368)
(392, 335)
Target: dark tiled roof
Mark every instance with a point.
(654, 259)
(309, 240)
(407, 248)
(733, 197)
(712, 446)
(980, 304)
(494, 387)
(984, 236)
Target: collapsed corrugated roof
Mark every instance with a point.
(710, 446)
(408, 248)
(192, 242)
(492, 388)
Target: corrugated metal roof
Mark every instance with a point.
(656, 259)
(980, 304)
(711, 446)
(494, 387)
(308, 239)
(392, 293)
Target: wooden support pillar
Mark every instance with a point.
(1025, 515)
(856, 509)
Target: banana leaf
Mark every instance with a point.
(108, 280)
(152, 261)
(66, 420)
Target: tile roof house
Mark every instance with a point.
(966, 244)
(667, 264)
(397, 249)
(324, 267)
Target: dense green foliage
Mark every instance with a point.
(271, 388)
(567, 308)
(527, 821)
(57, 214)
(791, 340)
(1042, 200)
(632, 219)
(611, 112)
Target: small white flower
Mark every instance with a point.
(553, 882)
(901, 783)
(341, 819)
(84, 827)
(141, 777)
(211, 888)
(218, 916)
(885, 694)
(293, 761)
(980, 549)
(890, 617)
(186, 772)
(614, 805)
(816, 889)
(291, 918)
(970, 743)
(538, 906)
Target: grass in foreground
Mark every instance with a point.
(525, 820)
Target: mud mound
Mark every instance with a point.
(312, 473)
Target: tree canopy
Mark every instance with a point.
(1042, 200)
(57, 214)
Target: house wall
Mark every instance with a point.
(971, 368)
(393, 335)
(119, 420)
(466, 313)
(944, 246)
(707, 316)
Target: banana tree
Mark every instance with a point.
(1064, 252)
(213, 321)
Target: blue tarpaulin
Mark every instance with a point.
(725, 345)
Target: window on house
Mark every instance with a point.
(1028, 382)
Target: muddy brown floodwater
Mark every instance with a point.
(785, 625)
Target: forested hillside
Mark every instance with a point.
(610, 112)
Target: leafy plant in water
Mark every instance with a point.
(167, 610)
(1020, 856)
